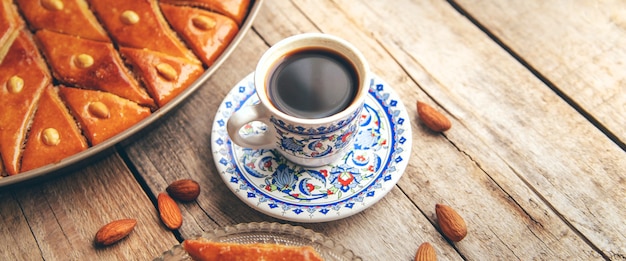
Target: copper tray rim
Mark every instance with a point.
(91, 152)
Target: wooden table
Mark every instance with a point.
(535, 160)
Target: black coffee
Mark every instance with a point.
(312, 83)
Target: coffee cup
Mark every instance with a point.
(311, 89)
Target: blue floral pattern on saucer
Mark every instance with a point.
(268, 182)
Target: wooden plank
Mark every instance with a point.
(504, 165)
(17, 240)
(579, 46)
(530, 166)
(442, 174)
(181, 149)
(60, 217)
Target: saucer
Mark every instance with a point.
(269, 183)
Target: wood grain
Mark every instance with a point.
(17, 239)
(534, 161)
(220, 205)
(577, 46)
(465, 176)
(58, 219)
(504, 119)
(502, 161)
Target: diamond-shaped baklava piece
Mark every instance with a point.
(164, 76)
(90, 64)
(139, 24)
(235, 9)
(101, 115)
(53, 135)
(10, 25)
(207, 33)
(23, 77)
(71, 17)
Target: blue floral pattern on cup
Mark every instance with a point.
(315, 146)
(303, 130)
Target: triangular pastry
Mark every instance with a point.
(10, 25)
(164, 76)
(139, 24)
(23, 77)
(53, 135)
(205, 250)
(90, 64)
(235, 9)
(71, 17)
(207, 33)
(101, 115)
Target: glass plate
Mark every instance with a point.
(266, 232)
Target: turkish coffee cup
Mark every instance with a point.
(311, 89)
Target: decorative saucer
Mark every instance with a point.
(269, 183)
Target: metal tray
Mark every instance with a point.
(92, 152)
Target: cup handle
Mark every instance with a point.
(248, 114)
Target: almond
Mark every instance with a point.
(114, 231)
(15, 84)
(426, 252)
(50, 137)
(433, 119)
(203, 23)
(451, 223)
(129, 17)
(169, 211)
(84, 60)
(184, 189)
(99, 110)
(166, 71)
(52, 5)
